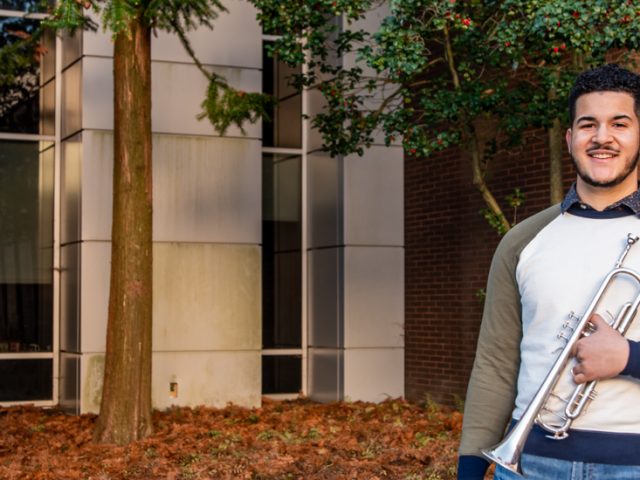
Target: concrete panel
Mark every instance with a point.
(70, 383)
(71, 47)
(315, 105)
(70, 298)
(325, 179)
(94, 303)
(96, 42)
(207, 378)
(48, 108)
(373, 375)
(97, 185)
(373, 297)
(97, 92)
(370, 23)
(175, 108)
(71, 190)
(325, 298)
(72, 86)
(91, 379)
(326, 374)
(234, 41)
(48, 58)
(206, 297)
(207, 189)
(373, 197)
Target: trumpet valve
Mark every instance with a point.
(589, 328)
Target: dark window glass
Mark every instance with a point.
(26, 5)
(281, 252)
(281, 374)
(19, 98)
(26, 247)
(26, 380)
(282, 127)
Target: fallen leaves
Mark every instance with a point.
(282, 440)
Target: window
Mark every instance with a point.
(27, 160)
(282, 233)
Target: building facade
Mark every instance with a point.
(278, 270)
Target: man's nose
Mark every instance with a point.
(602, 135)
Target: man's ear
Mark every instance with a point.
(567, 137)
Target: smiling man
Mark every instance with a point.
(545, 269)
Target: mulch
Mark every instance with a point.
(297, 439)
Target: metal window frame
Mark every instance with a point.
(302, 152)
(55, 139)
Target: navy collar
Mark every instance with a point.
(629, 205)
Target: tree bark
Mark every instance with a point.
(481, 185)
(125, 412)
(556, 189)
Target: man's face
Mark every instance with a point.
(604, 141)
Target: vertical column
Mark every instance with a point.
(356, 267)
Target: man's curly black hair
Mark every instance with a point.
(607, 78)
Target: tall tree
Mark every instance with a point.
(125, 411)
(442, 73)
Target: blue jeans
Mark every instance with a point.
(543, 468)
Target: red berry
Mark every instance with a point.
(507, 44)
(466, 21)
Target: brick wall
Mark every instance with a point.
(448, 251)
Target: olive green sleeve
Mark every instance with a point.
(492, 387)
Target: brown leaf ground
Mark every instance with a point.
(282, 440)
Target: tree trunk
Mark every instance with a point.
(478, 180)
(125, 412)
(556, 189)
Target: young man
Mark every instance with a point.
(548, 267)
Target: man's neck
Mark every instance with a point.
(600, 198)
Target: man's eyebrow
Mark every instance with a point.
(589, 118)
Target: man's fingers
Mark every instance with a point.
(578, 374)
(597, 321)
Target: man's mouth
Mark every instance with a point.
(602, 155)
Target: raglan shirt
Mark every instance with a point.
(544, 273)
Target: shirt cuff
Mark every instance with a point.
(633, 364)
(471, 467)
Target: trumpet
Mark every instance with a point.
(507, 453)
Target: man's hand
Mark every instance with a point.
(601, 355)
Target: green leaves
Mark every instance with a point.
(116, 14)
(225, 106)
